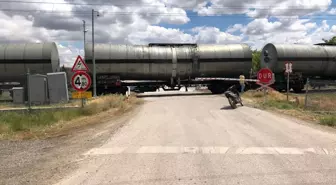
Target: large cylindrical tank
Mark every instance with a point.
(153, 62)
(310, 60)
(15, 59)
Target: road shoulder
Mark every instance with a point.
(47, 161)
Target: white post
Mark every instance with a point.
(128, 91)
(306, 97)
(287, 84)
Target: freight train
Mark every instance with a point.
(317, 62)
(149, 67)
(170, 65)
(16, 59)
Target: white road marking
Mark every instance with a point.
(214, 150)
(209, 150)
(157, 149)
(256, 150)
(105, 151)
(294, 150)
(326, 151)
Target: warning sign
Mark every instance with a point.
(79, 65)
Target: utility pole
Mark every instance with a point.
(84, 31)
(93, 56)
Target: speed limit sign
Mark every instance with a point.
(81, 81)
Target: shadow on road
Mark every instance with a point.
(179, 94)
(227, 108)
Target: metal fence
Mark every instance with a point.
(321, 99)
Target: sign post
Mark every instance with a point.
(306, 97)
(80, 81)
(288, 66)
(265, 78)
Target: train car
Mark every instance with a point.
(171, 64)
(16, 59)
(308, 61)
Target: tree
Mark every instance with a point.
(330, 41)
(63, 68)
(256, 60)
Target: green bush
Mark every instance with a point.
(328, 120)
(24, 121)
(280, 104)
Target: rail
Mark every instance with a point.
(227, 79)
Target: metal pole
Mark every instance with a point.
(84, 31)
(28, 89)
(264, 94)
(93, 58)
(287, 85)
(306, 98)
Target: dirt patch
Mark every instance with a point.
(45, 161)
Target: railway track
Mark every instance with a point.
(5, 101)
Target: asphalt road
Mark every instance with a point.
(199, 140)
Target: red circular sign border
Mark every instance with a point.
(264, 70)
(81, 73)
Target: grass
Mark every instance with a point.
(320, 107)
(43, 123)
(328, 120)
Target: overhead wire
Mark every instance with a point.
(193, 14)
(253, 7)
(239, 16)
(151, 5)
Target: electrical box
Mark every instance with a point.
(37, 87)
(18, 95)
(58, 87)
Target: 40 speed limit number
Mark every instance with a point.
(81, 81)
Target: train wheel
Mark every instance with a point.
(217, 88)
(297, 90)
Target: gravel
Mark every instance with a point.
(39, 162)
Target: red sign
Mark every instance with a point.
(81, 81)
(265, 75)
(79, 65)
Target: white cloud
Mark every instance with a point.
(332, 11)
(260, 26)
(261, 31)
(234, 28)
(188, 5)
(136, 22)
(68, 53)
(159, 34)
(214, 35)
(262, 8)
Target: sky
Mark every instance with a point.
(254, 22)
